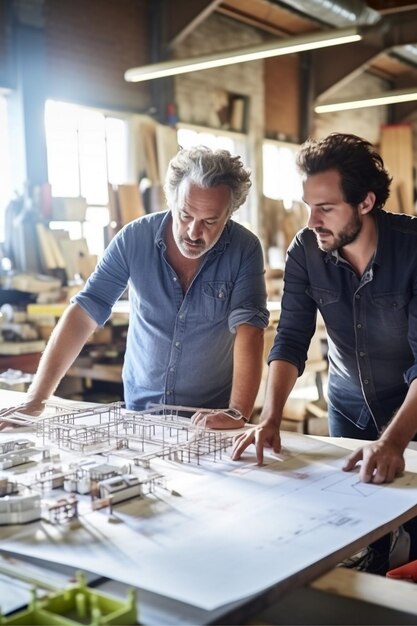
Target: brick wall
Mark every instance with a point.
(90, 44)
(197, 92)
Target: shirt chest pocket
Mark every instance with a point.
(391, 309)
(216, 299)
(328, 303)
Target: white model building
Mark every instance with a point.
(20, 508)
(120, 487)
(16, 452)
(85, 474)
(12, 445)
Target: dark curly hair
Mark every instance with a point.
(361, 168)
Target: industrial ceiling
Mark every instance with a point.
(388, 49)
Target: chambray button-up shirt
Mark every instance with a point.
(179, 348)
(371, 321)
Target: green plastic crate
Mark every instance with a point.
(76, 605)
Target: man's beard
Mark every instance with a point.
(346, 236)
(189, 252)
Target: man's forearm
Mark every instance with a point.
(282, 377)
(403, 426)
(64, 345)
(247, 368)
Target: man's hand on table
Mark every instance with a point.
(263, 436)
(382, 462)
(30, 408)
(219, 419)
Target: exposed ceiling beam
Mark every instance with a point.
(400, 112)
(184, 16)
(400, 28)
(252, 20)
(387, 6)
(341, 66)
(332, 70)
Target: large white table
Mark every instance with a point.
(245, 527)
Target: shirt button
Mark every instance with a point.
(221, 294)
(172, 369)
(177, 343)
(174, 278)
(366, 381)
(358, 325)
(357, 296)
(168, 393)
(361, 353)
(181, 316)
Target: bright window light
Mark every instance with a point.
(61, 124)
(235, 144)
(5, 178)
(92, 153)
(281, 180)
(117, 157)
(86, 150)
(188, 138)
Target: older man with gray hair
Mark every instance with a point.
(197, 299)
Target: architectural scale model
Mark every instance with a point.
(16, 452)
(162, 431)
(134, 438)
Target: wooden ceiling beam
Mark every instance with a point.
(402, 111)
(251, 20)
(334, 67)
(184, 16)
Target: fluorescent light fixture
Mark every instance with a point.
(388, 97)
(229, 57)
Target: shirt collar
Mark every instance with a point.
(383, 232)
(159, 237)
(379, 214)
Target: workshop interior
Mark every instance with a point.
(114, 513)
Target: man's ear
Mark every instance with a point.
(367, 203)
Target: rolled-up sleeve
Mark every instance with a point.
(106, 284)
(249, 299)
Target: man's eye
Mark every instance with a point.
(207, 223)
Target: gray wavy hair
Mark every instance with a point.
(207, 168)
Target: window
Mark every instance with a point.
(86, 150)
(281, 180)
(235, 143)
(188, 137)
(5, 178)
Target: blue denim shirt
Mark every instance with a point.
(371, 321)
(179, 347)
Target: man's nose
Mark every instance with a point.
(194, 230)
(314, 220)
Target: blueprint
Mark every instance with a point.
(213, 531)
